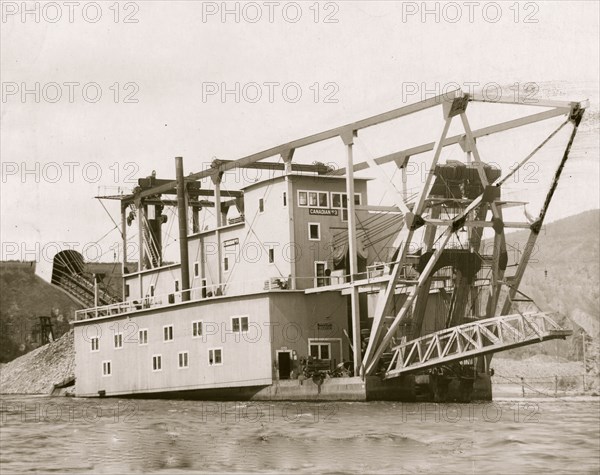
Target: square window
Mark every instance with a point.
(312, 198)
(320, 351)
(183, 359)
(302, 198)
(239, 324)
(168, 333)
(95, 341)
(314, 231)
(106, 368)
(157, 363)
(118, 339)
(215, 356)
(196, 329)
(143, 337)
(357, 199)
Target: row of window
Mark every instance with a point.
(317, 199)
(238, 325)
(323, 199)
(215, 358)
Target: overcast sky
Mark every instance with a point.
(161, 68)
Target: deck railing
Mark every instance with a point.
(209, 291)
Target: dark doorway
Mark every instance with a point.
(284, 362)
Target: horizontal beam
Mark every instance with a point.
(391, 209)
(313, 139)
(478, 224)
(403, 156)
(200, 203)
(272, 166)
(195, 193)
(526, 101)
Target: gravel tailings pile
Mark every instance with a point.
(39, 371)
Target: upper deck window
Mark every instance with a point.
(313, 199)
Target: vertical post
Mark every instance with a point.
(140, 215)
(217, 181)
(584, 358)
(96, 294)
(404, 181)
(348, 139)
(183, 231)
(287, 158)
(124, 244)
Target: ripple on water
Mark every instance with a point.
(182, 436)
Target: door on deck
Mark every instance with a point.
(284, 363)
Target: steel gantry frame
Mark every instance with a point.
(454, 103)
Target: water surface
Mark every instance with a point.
(45, 435)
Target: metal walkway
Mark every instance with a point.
(473, 339)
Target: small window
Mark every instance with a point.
(320, 351)
(157, 363)
(95, 341)
(336, 200)
(314, 231)
(106, 368)
(143, 337)
(176, 286)
(168, 333)
(196, 329)
(312, 198)
(284, 198)
(226, 264)
(302, 198)
(321, 277)
(239, 324)
(196, 269)
(151, 291)
(215, 356)
(126, 290)
(261, 205)
(118, 340)
(183, 359)
(323, 200)
(357, 199)
(271, 255)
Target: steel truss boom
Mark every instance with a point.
(473, 339)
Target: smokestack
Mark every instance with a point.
(183, 242)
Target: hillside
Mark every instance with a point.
(23, 297)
